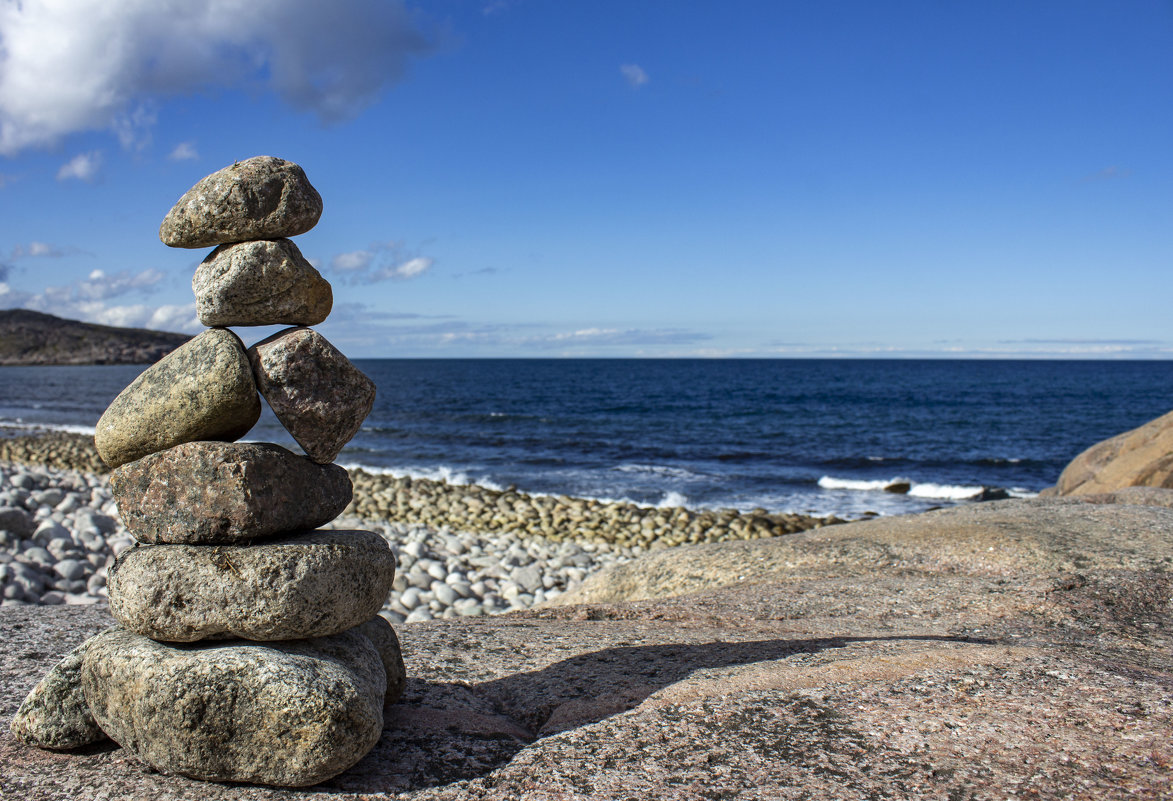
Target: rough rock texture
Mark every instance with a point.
(1014, 649)
(259, 198)
(287, 714)
(383, 637)
(55, 714)
(1137, 496)
(221, 492)
(1142, 457)
(310, 585)
(202, 390)
(316, 393)
(263, 282)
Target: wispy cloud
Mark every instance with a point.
(382, 261)
(83, 167)
(1108, 174)
(1071, 341)
(60, 72)
(184, 151)
(38, 250)
(634, 74)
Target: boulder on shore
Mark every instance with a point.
(1142, 457)
(1016, 648)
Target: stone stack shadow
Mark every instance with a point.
(249, 646)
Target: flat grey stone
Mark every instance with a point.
(309, 585)
(203, 389)
(55, 713)
(378, 630)
(316, 393)
(259, 198)
(221, 492)
(287, 714)
(263, 282)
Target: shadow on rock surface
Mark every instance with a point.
(442, 733)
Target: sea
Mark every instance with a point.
(809, 436)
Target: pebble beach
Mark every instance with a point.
(463, 551)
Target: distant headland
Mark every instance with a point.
(34, 338)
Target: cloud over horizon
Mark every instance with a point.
(382, 261)
(74, 65)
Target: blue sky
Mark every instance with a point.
(605, 178)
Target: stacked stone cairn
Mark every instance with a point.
(248, 646)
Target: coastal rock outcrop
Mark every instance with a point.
(219, 492)
(1142, 457)
(1007, 649)
(258, 198)
(202, 390)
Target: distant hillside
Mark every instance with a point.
(29, 337)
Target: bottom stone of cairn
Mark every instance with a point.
(290, 714)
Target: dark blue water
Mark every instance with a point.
(788, 435)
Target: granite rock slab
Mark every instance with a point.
(258, 198)
(316, 393)
(286, 714)
(55, 714)
(262, 282)
(1142, 457)
(966, 660)
(222, 492)
(383, 637)
(203, 390)
(308, 585)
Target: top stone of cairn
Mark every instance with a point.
(259, 198)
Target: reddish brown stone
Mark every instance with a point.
(316, 393)
(217, 492)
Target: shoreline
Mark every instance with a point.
(463, 550)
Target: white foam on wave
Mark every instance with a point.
(830, 482)
(442, 473)
(672, 499)
(948, 492)
(66, 428)
(656, 470)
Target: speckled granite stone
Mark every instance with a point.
(263, 282)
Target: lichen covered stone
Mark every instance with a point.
(203, 390)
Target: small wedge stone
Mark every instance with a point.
(289, 714)
(264, 282)
(222, 492)
(309, 585)
(316, 393)
(378, 630)
(55, 714)
(259, 198)
(202, 390)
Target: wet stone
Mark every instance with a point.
(316, 393)
(219, 492)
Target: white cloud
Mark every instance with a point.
(75, 65)
(89, 299)
(184, 151)
(159, 318)
(36, 250)
(382, 261)
(83, 166)
(634, 74)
